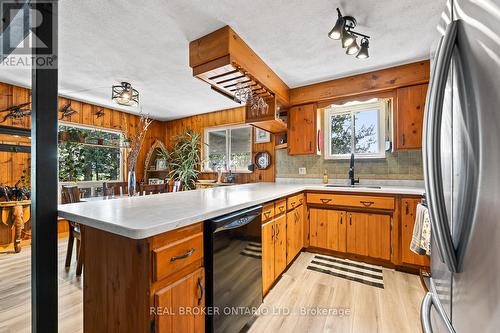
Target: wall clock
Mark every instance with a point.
(262, 160)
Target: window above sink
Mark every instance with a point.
(356, 127)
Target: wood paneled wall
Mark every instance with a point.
(13, 164)
(234, 116)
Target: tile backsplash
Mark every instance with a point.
(396, 165)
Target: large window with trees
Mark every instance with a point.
(228, 148)
(355, 127)
(89, 154)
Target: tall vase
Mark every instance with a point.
(132, 184)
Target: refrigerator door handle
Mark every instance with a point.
(432, 149)
(425, 314)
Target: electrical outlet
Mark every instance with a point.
(302, 171)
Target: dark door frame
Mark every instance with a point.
(44, 180)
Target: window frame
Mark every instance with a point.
(123, 154)
(206, 150)
(348, 108)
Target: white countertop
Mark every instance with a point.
(146, 216)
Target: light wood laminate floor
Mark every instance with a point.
(15, 293)
(395, 308)
(392, 309)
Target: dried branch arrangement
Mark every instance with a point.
(138, 139)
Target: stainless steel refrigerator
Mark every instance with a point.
(461, 151)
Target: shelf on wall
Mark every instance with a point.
(281, 146)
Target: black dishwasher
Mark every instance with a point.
(233, 267)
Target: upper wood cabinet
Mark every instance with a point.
(408, 117)
(303, 130)
(408, 211)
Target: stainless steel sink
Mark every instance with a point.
(354, 186)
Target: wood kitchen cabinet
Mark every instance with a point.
(294, 231)
(267, 256)
(328, 229)
(136, 285)
(279, 245)
(186, 293)
(408, 117)
(369, 235)
(408, 211)
(274, 246)
(303, 135)
(357, 233)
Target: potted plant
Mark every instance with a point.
(185, 159)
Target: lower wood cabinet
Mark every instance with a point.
(408, 212)
(294, 231)
(279, 245)
(179, 305)
(364, 234)
(273, 251)
(328, 229)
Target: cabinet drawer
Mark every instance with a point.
(267, 212)
(295, 201)
(359, 201)
(175, 256)
(280, 207)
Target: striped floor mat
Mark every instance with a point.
(253, 250)
(347, 269)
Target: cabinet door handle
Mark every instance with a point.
(293, 204)
(367, 203)
(183, 256)
(202, 291)
(267, 214)
(310, 145)
(402, 139)
(272, 231)
(282, 208)
(350, 219)
(277, 230)
(341, 215)
(407, 208)
(325, 201)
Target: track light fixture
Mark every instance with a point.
(344, 31)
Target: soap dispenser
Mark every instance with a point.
(325, 177)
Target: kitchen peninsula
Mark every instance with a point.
(144, 253)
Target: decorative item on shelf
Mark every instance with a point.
(262, 160)
(142, 129)
(344, 30)
(185, 159)
(99, 113)
(67, 111)
(125, 94)
(156, 151)
(161, 164)
(262, 136)
(16, 112)
(155, 181)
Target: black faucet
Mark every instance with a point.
(351, 172)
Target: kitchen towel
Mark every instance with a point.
(421, 240)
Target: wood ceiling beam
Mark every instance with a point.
(366, 83)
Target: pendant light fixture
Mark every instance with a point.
(363, 52)
(125, 94)
(344, 30)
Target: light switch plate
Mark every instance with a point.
(302, 171)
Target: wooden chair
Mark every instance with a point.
(110, 189)
(71, 194)
(152, 189)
